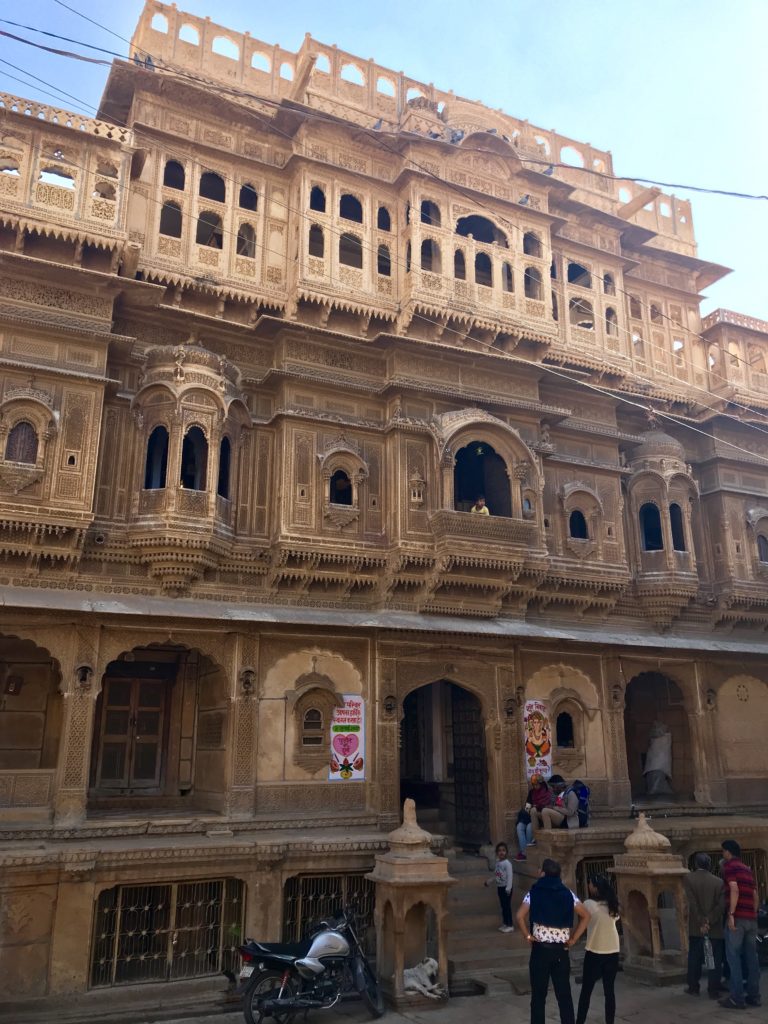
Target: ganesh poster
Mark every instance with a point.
(538, 739)
(348, 740)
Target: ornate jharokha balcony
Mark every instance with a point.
(448, 525)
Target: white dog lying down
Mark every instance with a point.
(423, 979)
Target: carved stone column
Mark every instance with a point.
(620, 789)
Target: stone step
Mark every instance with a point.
(488, 940)
(470, 963)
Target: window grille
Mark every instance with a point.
(145, 933)
(588, 868)
(309, 899)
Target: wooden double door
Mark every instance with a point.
(133, 726)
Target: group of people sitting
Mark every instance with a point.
(551, 804)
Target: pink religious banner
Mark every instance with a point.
(538, 739)
(348, 740)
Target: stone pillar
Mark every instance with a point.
(619, 790)
(411, 882)
(244, 702)
(70, 950)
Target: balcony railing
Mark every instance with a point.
(463, 526)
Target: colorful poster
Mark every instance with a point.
(538, 739)
(348, 740)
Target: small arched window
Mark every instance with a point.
(650, 528)
(312, 733)
(194, 460)
(317, 199)
(383, 220)
(225, 458)
(408, 258)
(173, 175)
(350, 208)
(340, 489)
(532, 244)
(564, 730)
(209, 230)
(316, 241)
(212, 187)
(171, 220)
(430, 256)
(384, 261)
(581, 314)
(579, 275)
(656, 315)
(507, 279)
(762, 548)
(553, 269)
(635, 308)
(156, 464)
(483, 269)
(555, 314)
(351, 251)
(577, 525)
(248, 197)
(609, 284)
(430, 213)
(21, 445)
(246, 241)
(532, 283)
(459, 266)
(678, 529)
(611, 322)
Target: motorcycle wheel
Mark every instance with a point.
(264, 984)
(371, 994)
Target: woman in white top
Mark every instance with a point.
(601, 959)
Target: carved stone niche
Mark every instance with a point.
(312, 703)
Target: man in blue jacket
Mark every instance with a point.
(546, 918)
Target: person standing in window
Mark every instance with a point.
(601, 959)
(480, 508)
(546, 917)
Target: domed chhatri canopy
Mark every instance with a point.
(644, 838)
(656, 444)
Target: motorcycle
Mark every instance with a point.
(280, 980)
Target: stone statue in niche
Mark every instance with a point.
(658, 761)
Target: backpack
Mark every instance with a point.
(582, 792)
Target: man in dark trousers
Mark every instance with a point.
(706, 909)
(546, 918)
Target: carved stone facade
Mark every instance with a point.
(257, 368)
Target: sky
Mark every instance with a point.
(675, 89)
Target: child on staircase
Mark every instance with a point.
(503, 879)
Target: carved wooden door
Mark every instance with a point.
(470, 770)
(132, 728)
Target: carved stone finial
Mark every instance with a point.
(410, 840)
(644, 838)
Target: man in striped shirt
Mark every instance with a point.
(740, 928)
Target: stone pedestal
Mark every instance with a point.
(411, 909)
(654, 910)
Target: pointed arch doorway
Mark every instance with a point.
(443, 763)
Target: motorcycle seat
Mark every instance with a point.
(286, 950)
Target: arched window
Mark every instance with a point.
(212, 187)
(340, 489)
(170, 220)
(156, 463)
(483, 269)
(194, 460)
(553, 269)
(312, 732)
(104, 190)
(225, 458)
(579, 275)
(611, 322)
(351, 251)
(635, 308)
(581, 314)
(384, 261)
(532, 244)
(655, 313)
(173, 175)
(316, 241)
(507, 280)
(248, 197)
(383, 220)
(609, 284)
(650, 528)
(21, 445)
(482, 230)
(317, 199)
(209, 230)
(564, 730)
(430, 256)
(678, 530)
(350, 208)
(459, 266)
(430, 213)
(532, 283)
(408, 258)
(246, 241)
(555, 314)
(762, 548)
(577, 525)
